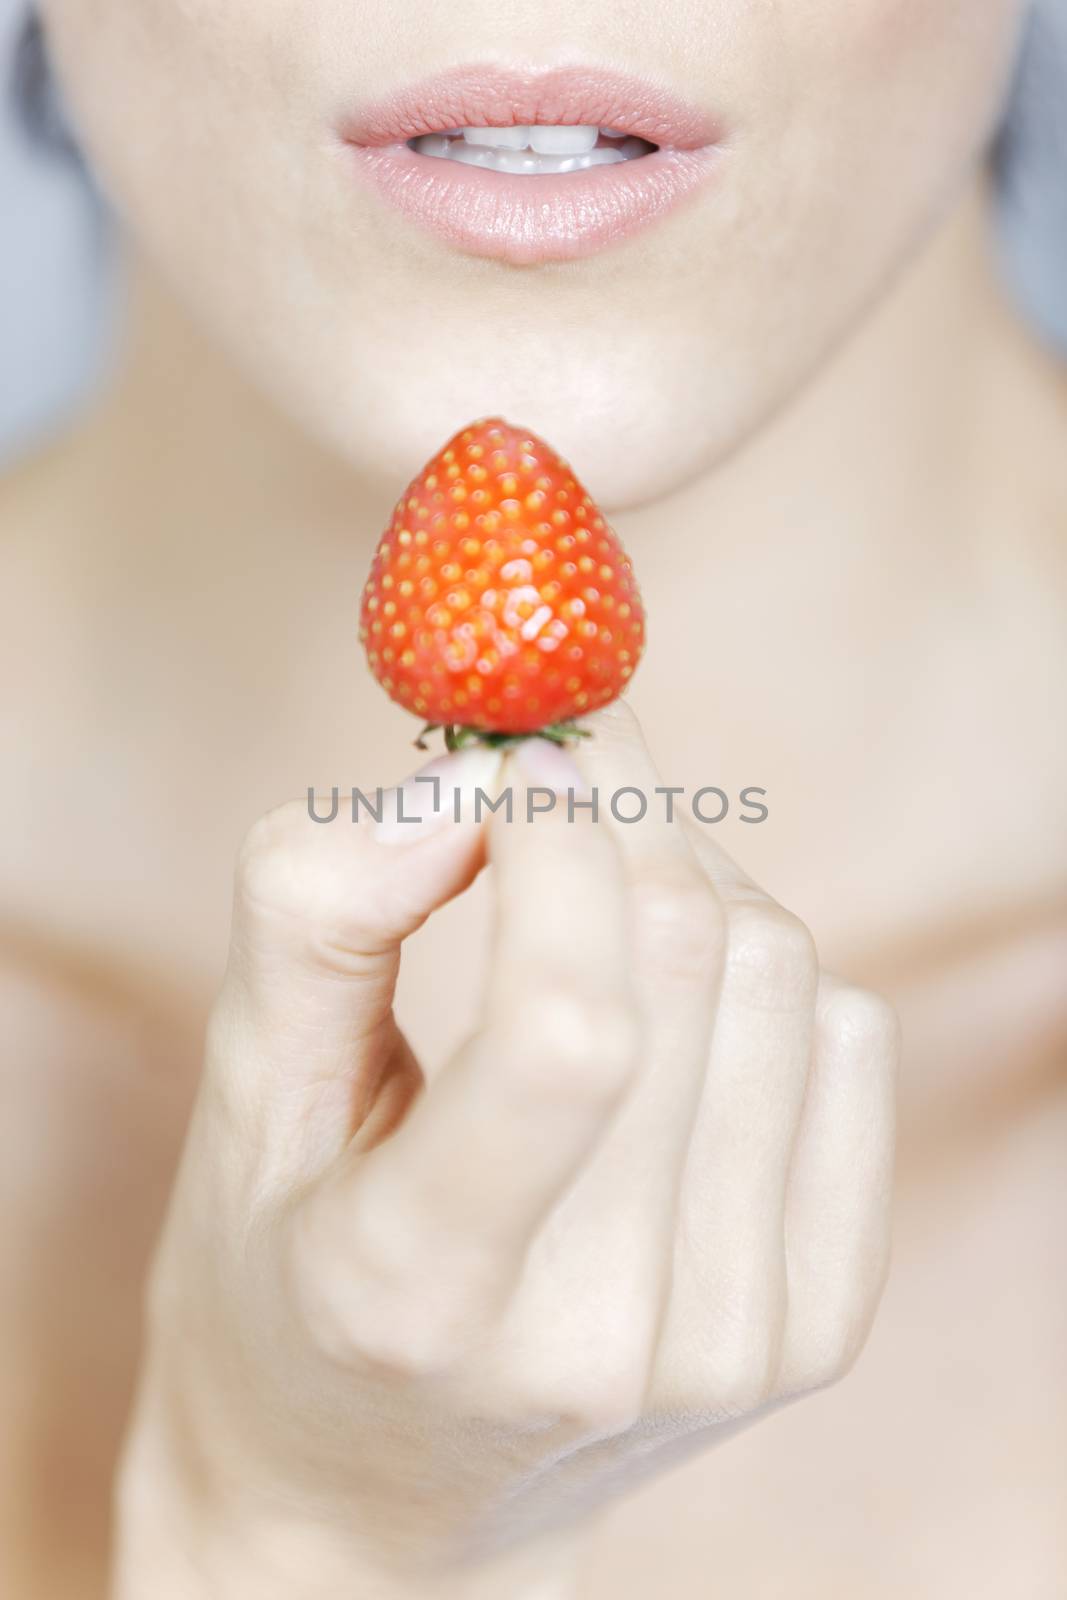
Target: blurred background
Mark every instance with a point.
(59, 266)
(57, 261)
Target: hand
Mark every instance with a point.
(397, 1332)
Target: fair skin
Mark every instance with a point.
(474, 1280)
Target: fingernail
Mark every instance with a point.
(547, 765)
(444, 790)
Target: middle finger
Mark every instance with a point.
(600, 1268)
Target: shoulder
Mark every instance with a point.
(40, 594)
(83, 1040)
(97, 1078)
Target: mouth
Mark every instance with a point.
(533, 167)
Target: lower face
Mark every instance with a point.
(632, 227)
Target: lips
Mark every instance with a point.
(537, 216)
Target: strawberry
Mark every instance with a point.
(499, 602)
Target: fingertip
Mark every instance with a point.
(541, 763)
(617, 721)
(445, 790)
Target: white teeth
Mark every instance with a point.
(613, 133)
(469, 155)
(563, 141)
(499, 138)
(434, 144)
(531, 151)
(528, 163)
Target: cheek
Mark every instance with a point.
(901, 71)
(903, 98)
(145, 77)
(888, 34)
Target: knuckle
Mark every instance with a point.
(746, 1381)
(574, 1045)
(712, 1388)
(722, 1364)
(605, 1403)
(268, 856)
(829, 1336)
(771, 956)
(833, 1356)
(728, 1364)
(606, 1409)
(411, 1347)
(317, 888)
(861, 1022)
(681, 925)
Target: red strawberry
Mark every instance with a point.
(499, 600)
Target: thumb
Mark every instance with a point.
(302, 1037)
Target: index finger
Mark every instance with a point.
(468, 1178)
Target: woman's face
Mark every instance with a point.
(387, 296)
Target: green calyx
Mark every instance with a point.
(457, 738)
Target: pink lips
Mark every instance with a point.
(519, 219)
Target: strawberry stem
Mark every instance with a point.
(460, 738)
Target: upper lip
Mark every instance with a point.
(493, 96)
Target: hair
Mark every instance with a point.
(1029, 156)
(38, 106)
(1030, 165)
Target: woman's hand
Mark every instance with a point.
(400, 1338)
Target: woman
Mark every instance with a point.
(445, 1340)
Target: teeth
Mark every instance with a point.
(600, 158)
(528, 163)
(499, 138)
(563, 141)
(434, 144)
(468, 154)
(532, 151)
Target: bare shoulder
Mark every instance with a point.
(95, 1085)
(96, 1077)
(39, 544)
(50, 716)
(98, 1061)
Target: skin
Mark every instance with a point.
(824, 105)
(490, 1299)
(643, 1197)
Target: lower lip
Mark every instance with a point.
(526, 220)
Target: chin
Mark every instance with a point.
(622, 466)
(630, 444)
